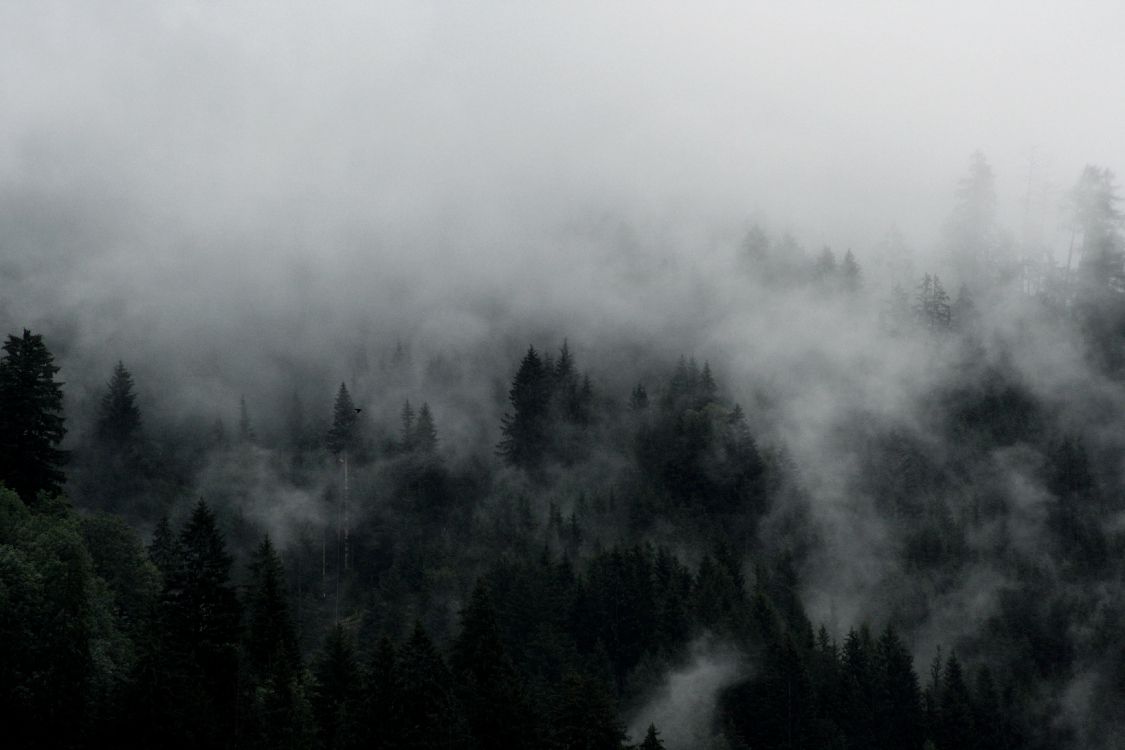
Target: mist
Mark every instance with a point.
(258, 202)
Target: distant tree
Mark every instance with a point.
(971, 233)
(164, 549)
(342, 435)
(931, 304)
(406, 432)
(825, 268)
(245, 428)
(850, 271)
(119, 420)
(524, 429)
(31, 420)
(638, 400)
(425, 434)
(652, 739)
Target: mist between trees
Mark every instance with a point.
(758, 496)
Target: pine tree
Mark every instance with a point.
(407, 430)
(336, 698)
(119, 420)
(430, 715)
(164, 549)
(852, 277)
(524, 429)
(425, 434)
(342, 435)
(652, 739)
(825, 269)
(491, 690)
(202, 620)
(271, 644)
(31, 420)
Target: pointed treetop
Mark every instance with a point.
(425, 433)
(343, 432)
(119, 419)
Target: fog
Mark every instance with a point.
(249, 199)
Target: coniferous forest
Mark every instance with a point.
(289, 464)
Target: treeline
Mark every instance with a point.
(559, 631)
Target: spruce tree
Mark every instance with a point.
(652, 739)
(31, 420)
(425, 434)
(336, 699)
(342, 435)
(119, 420)
(491, 690)
(271, 643)
(406, 417)
(524, 429)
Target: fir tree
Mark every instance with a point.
(31, 420)
(491, 692)
(336, 698)
(524, 429)
(270, 641)
(119, 420)
(652, 739)
(342, 434)
(638, 400)
(425, 434)
(406, 418)
(852, 277)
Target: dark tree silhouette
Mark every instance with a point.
(31, 419)
(119, 419)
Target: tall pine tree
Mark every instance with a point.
(31, 420)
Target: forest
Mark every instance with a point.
(623, 558)
(562, 375)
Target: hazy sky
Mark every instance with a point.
(310, 126)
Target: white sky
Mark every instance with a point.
(490, 120)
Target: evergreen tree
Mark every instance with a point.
(164, 549)
(638, 400)
(583, 716)
(430, 715)
(524, 429)
(825, 269)
(271, 643)
(407, 430)
(955, 727)
(202, 620)
(971, 233)
(382, 698)
(336, 698)
(491, 690)
(652, 739)
(119, 420)
(425, 434)
(245, 428)
(343, 434)
(31, 421)
(852, 277)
